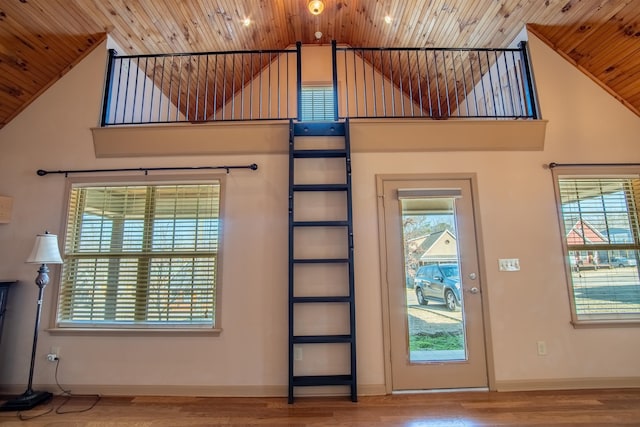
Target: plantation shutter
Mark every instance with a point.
(141, 256)
(317, 103)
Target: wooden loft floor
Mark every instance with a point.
(540, 408)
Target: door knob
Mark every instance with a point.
(474, 290)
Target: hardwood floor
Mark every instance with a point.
(540, 408)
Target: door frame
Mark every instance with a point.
(384, 280)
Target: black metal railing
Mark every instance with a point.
(433, 83)
(201, 87)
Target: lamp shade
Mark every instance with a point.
(45, 250)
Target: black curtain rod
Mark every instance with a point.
(42, 172)
(554, 165)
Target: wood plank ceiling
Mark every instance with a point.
(42, 39)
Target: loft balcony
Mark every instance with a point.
(438, 99)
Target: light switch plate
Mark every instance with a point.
(509, 264)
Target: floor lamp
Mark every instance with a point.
(45, 251)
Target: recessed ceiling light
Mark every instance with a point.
(316, 7)
(246, 22)
(387, 19)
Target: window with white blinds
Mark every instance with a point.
(317, 103)
(141, 256)
(600, 219)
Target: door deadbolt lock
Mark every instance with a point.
(473, 276)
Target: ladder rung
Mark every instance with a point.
(322, 339)
(318, 154)
(320, 187)
(320, 223)
(322, 261)
(312, 380)
(321, 299)
(319, 129)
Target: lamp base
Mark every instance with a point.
(26, 401)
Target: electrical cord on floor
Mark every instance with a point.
(67, 395)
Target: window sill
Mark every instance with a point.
(136, 331)
(590, 324)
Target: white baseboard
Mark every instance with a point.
(567, 384)
(201, 391)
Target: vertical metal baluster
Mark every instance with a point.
(115, 111)
(419, 83)
(484, 92)
(435, 62)
(278, 92)
(428, 75)
(197, 89)
(260, 91)
(242, 94)
(446, 82)
(287, 84)
(233, 85)
(464, 83)
(215, 88)
(355, 81)
(189, 70)
(473, 82)
(410, 83)
(269, 86)
(206, 89)
(393, 86)
(382, 74)
(153, 87)
(493, 95)
(224, 86)
(514, 113)
(373, 78)
(251, 89)
(144, 89)
(160, 95)
(400, 80)
(179, 89)
(497, 66)
(126, 91)
(135, 92)
(346, 83)
(455, 80)
(169, 102)
(364, 79)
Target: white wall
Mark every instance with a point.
(518, 217)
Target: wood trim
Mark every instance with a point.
(568, 384)
(200, 390)
(587, 73)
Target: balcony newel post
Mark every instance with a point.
(335, 79)
(106, 102)
(530, 90)
(299, 78)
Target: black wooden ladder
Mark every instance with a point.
(301, 267)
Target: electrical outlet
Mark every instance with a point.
(542, 348)
(52, 357)
(297, 353)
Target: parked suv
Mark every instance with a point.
(623, 262)
(438, 283)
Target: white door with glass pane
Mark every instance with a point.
(436, 325)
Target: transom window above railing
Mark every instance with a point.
(361, 83)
